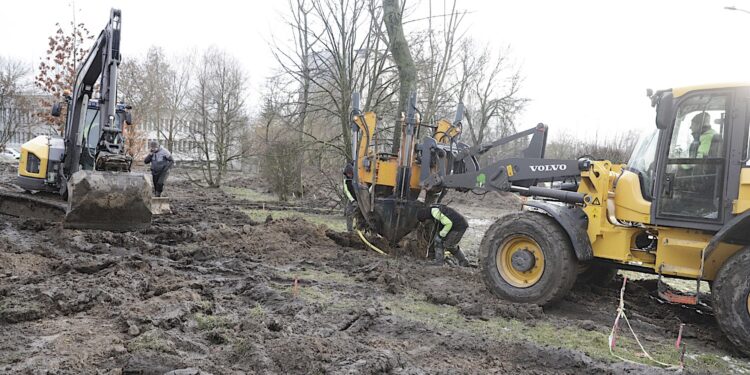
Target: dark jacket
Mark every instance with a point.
(448, 220)
(160, 161)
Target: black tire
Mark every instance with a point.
(731, 293)
(560, 264)
(597, 274)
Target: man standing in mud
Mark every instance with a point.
(161, 161)
(351, 208)
(450, 228)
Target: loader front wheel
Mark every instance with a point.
(526, 257)
(731, 296)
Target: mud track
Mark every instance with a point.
(207, 290)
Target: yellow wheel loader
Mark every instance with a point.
(87, 165)
(680, 208)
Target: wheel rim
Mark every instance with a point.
(520, 261)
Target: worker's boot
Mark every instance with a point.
(460, 257)
(439, 255)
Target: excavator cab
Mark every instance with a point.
(92, 132)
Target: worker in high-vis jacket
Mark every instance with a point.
(451, 227)
(351, 207)
(706, 141)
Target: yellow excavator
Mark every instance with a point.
(680, 207)
(87, 165)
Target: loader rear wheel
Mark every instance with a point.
(731, 297)
(526, 257)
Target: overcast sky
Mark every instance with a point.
(587, 64)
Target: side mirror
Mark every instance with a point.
(664, 110)
(128, 118)
(56, 110)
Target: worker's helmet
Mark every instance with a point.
(349, 169)
(700, 121)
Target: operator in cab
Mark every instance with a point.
(161, 162)
(451, 227)
(706, 141)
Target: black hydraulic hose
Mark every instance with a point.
(561, 195)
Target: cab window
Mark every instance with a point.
(91, 127)
(643, 161)
(694, 172)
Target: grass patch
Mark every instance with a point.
(257, 313)
(209, 322)
(593, 343)
(334, 222)
(249, 194)
(151, 340)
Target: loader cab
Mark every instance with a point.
(690, 165)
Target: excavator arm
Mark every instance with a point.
(101, 65)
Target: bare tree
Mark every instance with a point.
(14, 104)
(218, 113)
(157, 88)
(615, 148)
(296, 64)
(438, 62)
(177, 86)
(154, 71)
(489, 86)
(339, 48)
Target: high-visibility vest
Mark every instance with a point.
(706, 139)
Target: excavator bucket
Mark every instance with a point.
(116, 201)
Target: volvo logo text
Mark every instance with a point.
(548, 167)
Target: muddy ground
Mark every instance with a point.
(208, 289)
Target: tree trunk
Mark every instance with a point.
(407, 72)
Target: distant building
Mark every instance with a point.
(185, 149)
(30, 123)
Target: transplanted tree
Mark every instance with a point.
(14, 101)
(407, 71)
(57, 71)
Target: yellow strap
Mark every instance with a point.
(362, 236)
